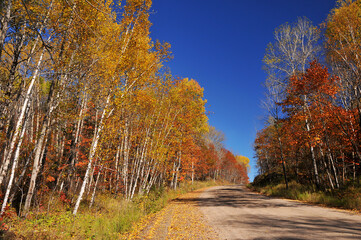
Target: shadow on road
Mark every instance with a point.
(238, 198)
(269, 218)
(309, 227)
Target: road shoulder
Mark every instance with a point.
(180, 219)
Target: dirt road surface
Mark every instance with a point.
(237, 213)
(181, 219)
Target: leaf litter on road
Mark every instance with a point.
(181, 219)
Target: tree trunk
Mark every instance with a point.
(117, 172)
(13, 169)
(343, 168)
(5, 24)
(36, 165)
(91, 157)
(327, 170)
(283, 162)
(192, 172)
(334, 171)
(315, 169)
(19, 124)
(95, 188)
(177, 170)
(126, 159)
(51, 104)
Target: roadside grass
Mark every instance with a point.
(348, 197)
(108, 219)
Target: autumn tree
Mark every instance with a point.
(87, 106)
(293, 48)
(343, 49)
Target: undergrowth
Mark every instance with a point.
(108, 219)
(348, 197)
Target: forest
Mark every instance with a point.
(88, 106)
(312, 134)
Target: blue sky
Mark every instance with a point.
(221, 43)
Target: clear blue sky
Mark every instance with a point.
(221, 43)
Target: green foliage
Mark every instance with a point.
(44, 86)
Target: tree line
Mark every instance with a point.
(87, 105)
(313, 89)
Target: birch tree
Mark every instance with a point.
(294, 47)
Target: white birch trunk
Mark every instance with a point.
(91, 157)
(20, 120)
(95, 188)
(134, 171)
(177, 171)
(13, 169)
(51, 104)
(36, 165)
(141, 164)
(117, 157)
(327, 170)
(4, 25)
(91, 176)
(306, 110)
(126, 158)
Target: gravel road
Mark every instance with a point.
(237, 213)
(181, 219)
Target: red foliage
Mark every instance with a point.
(64, 199)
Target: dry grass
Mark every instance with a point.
(108, 219)
(346, 198)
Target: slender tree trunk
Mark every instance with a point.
(91, 177)
(327, 170)
(133, 177)
(353, 167)
(117, 168)
(36, 165)
(148, 177)
(329, 156)
(126, 158)
(5, 24)
(20, 178)
(334, 171)
(343, 168)
(177, 171)
(153, 178)
(192, 172)
(51, 105)
(95, 188)
(315, 169)
(79, 126)
(17, 50)
(91, 157)
(19, 124)
(74, 155)
(173, 175)
(13, 169)
(141, 164)
(283, 162)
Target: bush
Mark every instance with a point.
(347, 197)
(269, 178)
(108, 218)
